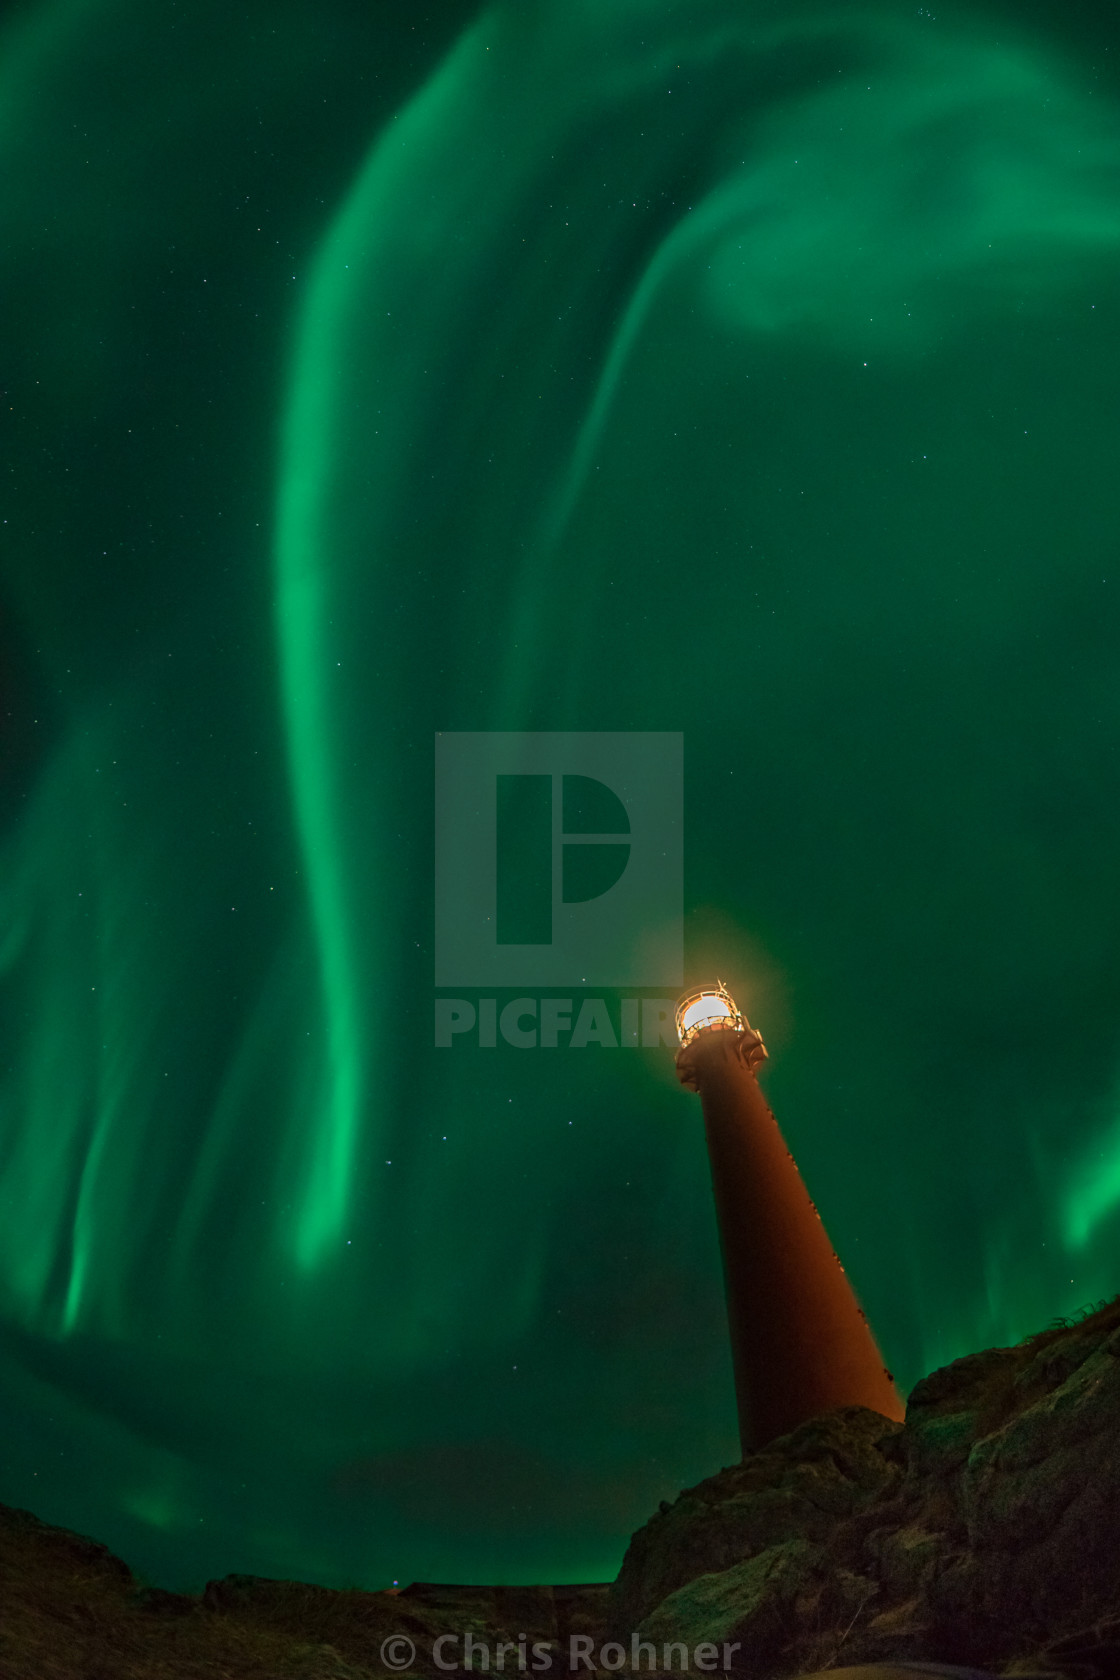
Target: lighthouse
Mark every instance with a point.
(800, 1342)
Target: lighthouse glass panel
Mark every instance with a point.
(702, 1012)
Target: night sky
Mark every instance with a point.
(732, 367)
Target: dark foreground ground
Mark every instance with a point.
(984, 1531)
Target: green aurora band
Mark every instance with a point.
(747, 370)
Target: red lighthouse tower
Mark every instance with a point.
(800, 1342)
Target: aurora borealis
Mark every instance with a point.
(740, 369)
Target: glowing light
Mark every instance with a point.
(711, 1007)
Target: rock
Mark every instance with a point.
(158, 1602)
(798, 1488)
(73, 1611)
(983, 1531)
(749, 1602)
(63, 1546)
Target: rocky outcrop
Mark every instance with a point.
(794, 1493)
(70, 1610)
(985, 1531)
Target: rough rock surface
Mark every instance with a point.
(984, 1531)
(70, 1610)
